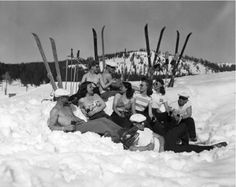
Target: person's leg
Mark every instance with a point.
(122, 122)
(101, 126)
(172, 137)
(190, 124)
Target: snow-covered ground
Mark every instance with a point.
(32, 155)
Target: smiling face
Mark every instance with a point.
(123, 89)
(90, 88)
(157, 86)
(182, 101)
(143, 87)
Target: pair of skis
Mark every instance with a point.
(49, 73)
(96, 46)
(148, 45)
(178, 58)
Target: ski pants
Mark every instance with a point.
(176, 133)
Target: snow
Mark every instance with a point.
(32, 155)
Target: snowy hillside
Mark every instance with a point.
(138, 60)
(31, 155)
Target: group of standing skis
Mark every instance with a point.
(141, 120)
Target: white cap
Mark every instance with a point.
(137, 118)
(61, 92)
(184, 94)
(111, 63)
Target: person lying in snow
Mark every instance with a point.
(147, 140)
(62, 118)
(90, 103)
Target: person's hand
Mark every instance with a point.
(150, 146)
(178, 118)
(69, 128)
(90, 113)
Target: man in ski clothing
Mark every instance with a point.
(62, 118)
(182, 112)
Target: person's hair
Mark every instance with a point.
(83, 89)
(149, 85)
(162, 88)
(91, 64)
(130, 91)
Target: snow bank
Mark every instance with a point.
(32, 155)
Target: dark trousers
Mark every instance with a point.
(123, 122)
(190, 125)
(162, 124)
(176, 133)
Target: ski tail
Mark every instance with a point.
(177, 43)
(147, 45)
(49, 73)
(158, 44)
(54, 51)
(95, 45)
(103, 50)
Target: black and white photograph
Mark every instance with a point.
(117, 93)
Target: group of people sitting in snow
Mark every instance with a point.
(141, 119)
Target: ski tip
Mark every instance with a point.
(146, 25)
(103, 27)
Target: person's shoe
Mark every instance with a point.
(193, 139)
(219, 145)
(179, 142)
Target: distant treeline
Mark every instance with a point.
(210, 65)
(34, 73)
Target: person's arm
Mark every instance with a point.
(99, 108)
(114, 106)
(168, 109)
(188, 113)
(148, 147)
(83, 78)
(52, 122)
(150, 109)
(133, 106)
(54, 125)
(104, 86)
(161, 141)
(82, 108)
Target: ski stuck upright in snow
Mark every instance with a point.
(49, 73)
(95, 45)
(54, 51)
(158, 45)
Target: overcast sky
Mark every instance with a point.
(71, 23)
